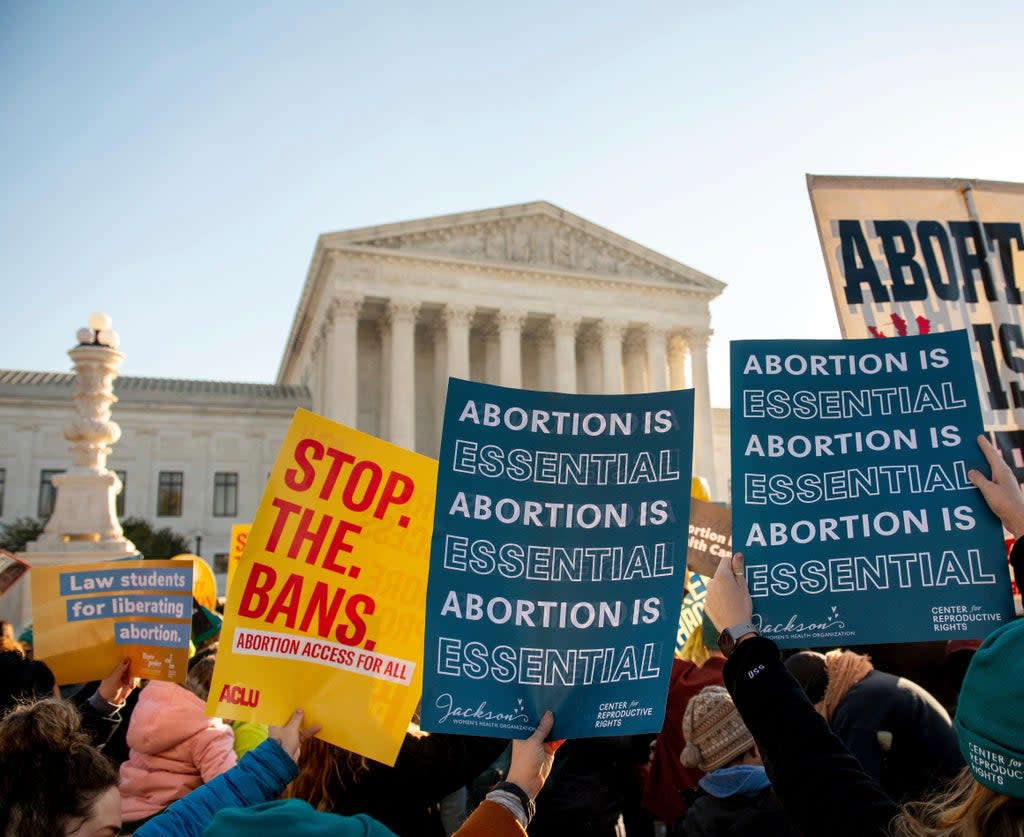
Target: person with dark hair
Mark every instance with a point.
(52, 780)
(428, 768)
(898, 731)
(24, 679)
(822, 786)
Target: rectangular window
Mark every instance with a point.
(3, 487)
(119, 503)
(220, 562)
(47, 492)
(225, 494)
(170, 494)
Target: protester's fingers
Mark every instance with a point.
(979, 480)
(995, 459)
(547, 721)
(126, 674)
(724, 567)
(736, 562)
(119, 671)
(309, 732)
(295, 721)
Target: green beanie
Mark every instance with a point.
(292, 817)
(988, 720)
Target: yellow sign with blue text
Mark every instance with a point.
(88, 617)
(326, 606)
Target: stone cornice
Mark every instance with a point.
(477, 220)
(564, 276)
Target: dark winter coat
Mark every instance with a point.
(920, 752)
(819, 783)
(757, 815)
(405, 797)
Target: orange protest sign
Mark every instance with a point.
(239, 536)
(88, 617)
(325, 609)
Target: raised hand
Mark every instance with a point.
(728, 601)
(291, 736)
(532, 757)
(116, 686)
(1002, 492)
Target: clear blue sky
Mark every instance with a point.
(173, 163)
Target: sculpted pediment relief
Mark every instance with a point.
(536, 241)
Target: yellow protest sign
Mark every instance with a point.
(204, 584)
(239, 536)
(88, 617)
(325, 610)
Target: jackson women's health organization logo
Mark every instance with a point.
(827, 626)
(506, 718)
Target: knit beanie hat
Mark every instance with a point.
(713, 730)
(294, 818)
(989, 721)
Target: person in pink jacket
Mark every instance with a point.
(175, 747)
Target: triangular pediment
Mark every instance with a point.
(538, 235)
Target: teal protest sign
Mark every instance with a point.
(557, 561)
(851, 500)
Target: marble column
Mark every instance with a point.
(457, 319)
(492, 350)
(510, 336)
(384, 405)
(677, 354)
(703, 443)
(611, 332)
(343, 360)
(634, 350)
(590, 361)
(657, 367)
(440, 333)
(402, 315)
(545, 357)
(316, 367)
(564, 328)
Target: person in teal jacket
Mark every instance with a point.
(53, 781)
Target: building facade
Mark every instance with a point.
(524, 296)
(193, 456)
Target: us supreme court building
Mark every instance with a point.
(525, 296)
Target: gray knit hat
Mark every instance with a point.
(713, 730)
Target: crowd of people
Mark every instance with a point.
(752, 744)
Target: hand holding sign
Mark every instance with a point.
(728, 600)
(291, 736)
(116, 686)
(1002, 492)
(532, 757)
